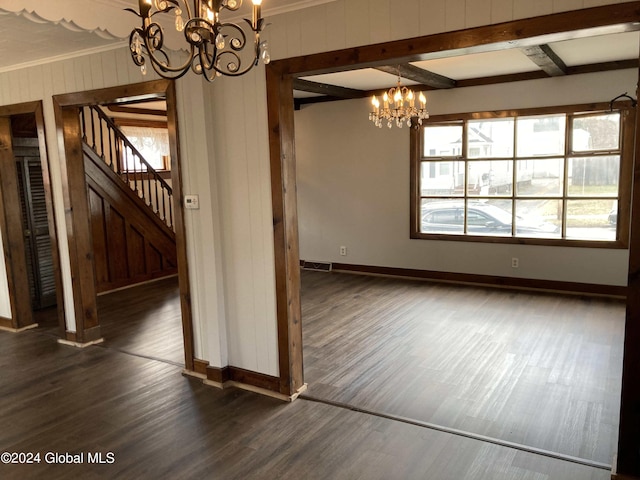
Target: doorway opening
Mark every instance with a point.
(135, 255)
(29, 228)
(129, 275)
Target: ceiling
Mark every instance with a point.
(572, 56)
(53, 32)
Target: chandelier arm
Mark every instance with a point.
(165, 66)
(241, 38)
(232, 9)
(171, 74)
(206, 59)
(193, 28)
(134, 47)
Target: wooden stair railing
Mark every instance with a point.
(104, 137)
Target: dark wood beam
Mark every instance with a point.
(544, 56)
(137, 110)
(513, 77)
(556, 27)
(326, 89)
(416, 74)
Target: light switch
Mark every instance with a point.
(191, 202)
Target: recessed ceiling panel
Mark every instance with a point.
(365, 79)
(479, 65)
(600, 49)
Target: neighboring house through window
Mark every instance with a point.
(545, 176)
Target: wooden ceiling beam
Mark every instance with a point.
(326, 89)
(417, 74)
(544, 56)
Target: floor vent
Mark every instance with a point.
(317, 266)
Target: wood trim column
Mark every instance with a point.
(12, 234)
(628, 459)
(285, 227)
(179, 227)
(77, 220)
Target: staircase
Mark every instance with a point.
(131, 207)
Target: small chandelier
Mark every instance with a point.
(215, 48)
(399, 106)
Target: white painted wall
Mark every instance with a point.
(353, 187)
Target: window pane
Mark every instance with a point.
(540, 178)
(490, 138)
(153, 145)
(490, 177)
(591, 219)
(539, 218)
(489, 217)
(596, 132)
(442, 216)
(442, 178)
(442, 141)
(594, 176)
(540, 135)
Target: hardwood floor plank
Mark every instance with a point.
(159, 424)
(144, 320)
(537, 369)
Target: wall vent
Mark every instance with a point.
(317, 266)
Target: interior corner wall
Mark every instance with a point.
(243, 179)
(203, 245)
(353, 187)
(5, 301)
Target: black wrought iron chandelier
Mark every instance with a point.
(214, 47)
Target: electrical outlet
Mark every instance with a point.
(515, 262)
(343, 251)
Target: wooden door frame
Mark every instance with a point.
(11, 225)
(77, 211)
(518, 33)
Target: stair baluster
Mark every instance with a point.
(127, 162)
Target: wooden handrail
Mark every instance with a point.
(115, 150)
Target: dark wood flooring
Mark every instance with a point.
(535, 369)
(142, 320)
(161, 425)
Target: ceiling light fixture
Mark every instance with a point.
(398, 106)
(214, 48)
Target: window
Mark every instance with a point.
(151, 141)
(545, 176)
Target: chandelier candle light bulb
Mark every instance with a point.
(394, 109)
